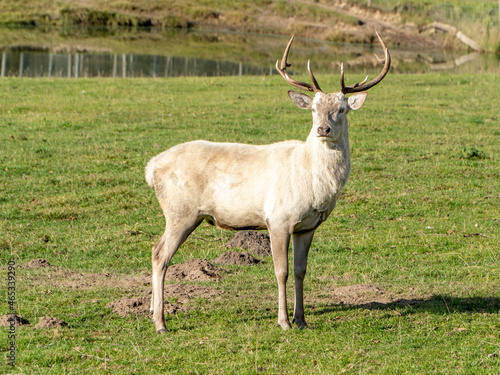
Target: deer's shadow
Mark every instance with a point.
(437, 304)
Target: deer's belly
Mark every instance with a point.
(246, 222)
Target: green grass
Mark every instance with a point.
(419, 219)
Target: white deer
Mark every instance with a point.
(288, 188)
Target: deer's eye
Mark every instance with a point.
(341, 110)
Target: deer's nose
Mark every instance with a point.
(324, 131)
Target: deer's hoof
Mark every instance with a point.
(284, 325)
(301, 323)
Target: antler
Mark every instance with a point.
(301, 85)
(363, 86)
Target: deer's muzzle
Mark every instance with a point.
(324, 130)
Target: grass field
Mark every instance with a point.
(416, 229)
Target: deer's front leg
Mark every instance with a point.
(301, 244)
(279, 247)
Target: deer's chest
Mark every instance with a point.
(314, 217)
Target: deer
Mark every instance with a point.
(288, 188)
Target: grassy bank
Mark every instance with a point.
(417, 222)
(319, 19)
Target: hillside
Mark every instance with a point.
(410, 22)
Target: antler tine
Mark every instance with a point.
(379, 59)
(342, 84)
(362, 82)
(352, 86)
(363, 86)
(281, 67)
(315, 83)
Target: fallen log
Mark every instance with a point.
(460, 35)
(468, 41)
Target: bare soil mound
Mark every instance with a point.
(125, 306)
(235, 257)
(140, 306)
(257, 242)
(6, 320)
(193, 269)
(50, 322)
(37, 263)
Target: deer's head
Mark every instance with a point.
(329, 110)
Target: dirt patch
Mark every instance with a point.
(41, 273)
(182, 292)
(365, 295)
(235, 257)
(37, 263)
(125, 306)
(50, 322)
(360, 294)
(6, 320)
(257, 242)
(185, 292)
(194, 269)
(61, 278)
(77, 280)
(46, 275)
(140, 306)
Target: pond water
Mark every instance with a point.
(207, 53)
(25, 63)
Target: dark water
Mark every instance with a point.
(248, 55)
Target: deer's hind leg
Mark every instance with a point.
(176, 232)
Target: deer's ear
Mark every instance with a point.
(301, 100)
(357, 100)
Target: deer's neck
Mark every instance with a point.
(331, 164)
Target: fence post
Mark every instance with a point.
(4, 63)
